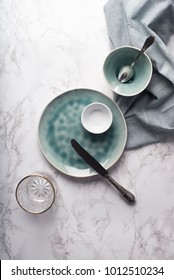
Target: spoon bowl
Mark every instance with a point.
(125, 74)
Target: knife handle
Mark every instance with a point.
(128, 196)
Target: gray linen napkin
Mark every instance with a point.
(149, 115)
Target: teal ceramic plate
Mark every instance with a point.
(61, 121)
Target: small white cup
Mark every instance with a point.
(96, 118)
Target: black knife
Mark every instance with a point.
(129, 197)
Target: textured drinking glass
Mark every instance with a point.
(35, 193)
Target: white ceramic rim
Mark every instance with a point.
(86, 124)
(91, 174)
(151, 70)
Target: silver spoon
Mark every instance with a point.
(126, 72)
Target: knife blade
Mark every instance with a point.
(128, 196)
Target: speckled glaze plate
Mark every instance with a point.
(61, 121)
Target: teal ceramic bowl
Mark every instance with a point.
(123, 56)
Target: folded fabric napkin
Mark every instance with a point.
(149, 115)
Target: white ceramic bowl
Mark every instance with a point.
(96, 118)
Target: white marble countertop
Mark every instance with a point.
(47, 48)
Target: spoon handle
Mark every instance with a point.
(149, 41)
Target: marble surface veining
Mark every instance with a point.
(46, 48)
